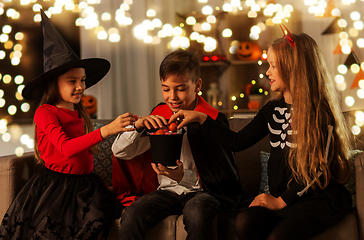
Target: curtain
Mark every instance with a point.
(132, 84)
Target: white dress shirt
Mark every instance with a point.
(130, 144)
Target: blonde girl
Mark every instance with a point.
(309, 146)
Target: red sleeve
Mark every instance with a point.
(49, 123)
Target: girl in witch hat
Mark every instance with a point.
(310, 145)
(65, 200)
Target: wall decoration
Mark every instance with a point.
(249, 51)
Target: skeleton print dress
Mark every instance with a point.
(315, 208)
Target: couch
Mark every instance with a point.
(16, 171)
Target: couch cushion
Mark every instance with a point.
(103, 160)
(350, 185)
(264, 187)
(345, 229)
(248, 160)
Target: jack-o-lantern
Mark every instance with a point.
(253, 104)
(249, 51)
(90, 103)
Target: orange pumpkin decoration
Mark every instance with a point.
(90, 103)
(252, 104)
(249, 51)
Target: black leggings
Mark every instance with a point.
(259, 223)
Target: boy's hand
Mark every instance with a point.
(150, 121)
(175, 174)
(187, 117)
(118, 125)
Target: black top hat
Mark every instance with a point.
(58, 58)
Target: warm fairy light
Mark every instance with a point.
(360, 93)
(339, 79)
(341, 86)
(346, 49)
(254, 36)
(7, 79)
(355, 68)
(211, 19)
(207, 10)
(349, 101)
(6, 137)
(19, 151)
(18, 96)
(194, 35)
(252, 14)
(355, 16)
(343, 35)
(148, 39)
(4, 38)
(342, 23)
(38, 18)
(148, 24)
(227, 7)
(106, 16)
(342, 69)
(191, 20)
(3, 123)
(115, 37)
(233, 98)
(167, 29)
(177, 31)
(9, 45)
(361, 83)
(7, 29)
(157, 23)
(197, 27)
(206, 26)
(237, 3)
(2, 54)
(210, 44)
(360, 42)
(2, 102)
(227, 33)
(12, 109)
(358, 25)
(355, 130)
(15, 61)
(151, 13)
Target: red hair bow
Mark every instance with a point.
(287, 36)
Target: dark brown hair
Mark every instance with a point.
(180, 63)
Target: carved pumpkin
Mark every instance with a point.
(253, 104)
(249, 51)
(90, 103)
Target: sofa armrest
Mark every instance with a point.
(14, 173)
(359, 186)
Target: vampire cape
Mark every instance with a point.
(216, 166)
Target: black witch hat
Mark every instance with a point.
(58, 58)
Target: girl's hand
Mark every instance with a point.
(175, 174)
(268, 201)
(187, 117)
(151, 121)
(118, 125)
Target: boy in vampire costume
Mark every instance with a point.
(205, 180)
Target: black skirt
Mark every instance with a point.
(54, 205)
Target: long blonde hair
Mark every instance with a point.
(315, 106)
(51, 96)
